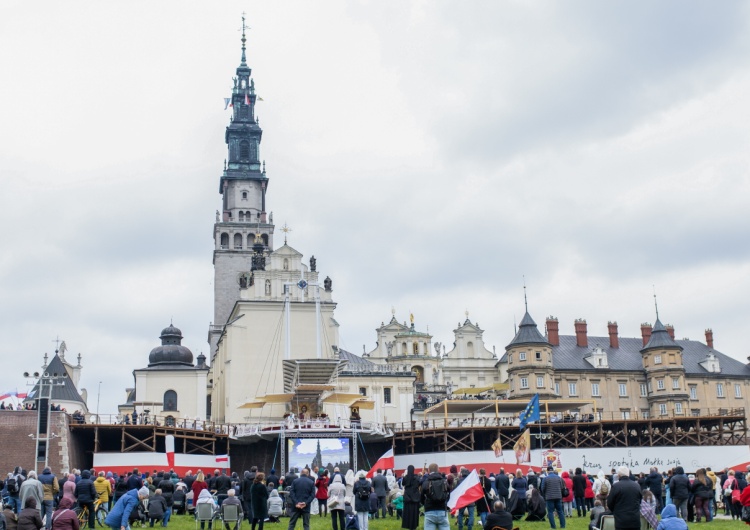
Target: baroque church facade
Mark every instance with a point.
(274, 350)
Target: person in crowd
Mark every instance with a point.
(374, 504)
(503, 479)
(469, 509)
(222, 484)
(135, 482)
(532, 479)
(205, 497)
(397, 502)
(410, 483)
(233, 500)
(31, 488)
(579, 491)
(380, 486)
(167, 490)
(679, 487)
(483, 505)
(669, 519)
(552, 489)
(157, 508)
(535, 505)
(321, 493)
(596, 513)
(601, 488)
(568, 500)
(275, 505)
(435, 498)
(51, 488)
(259, 500)
(349, 480)
(362, 489)
(520, 485)
(69, 488)
(248, 478)
(702, 489)
(301, 493)
(86, 495)
(29, 518)
(121, 488)
(335, 502)
(199, 484)
(119, 515)
(103, 489)
(648, 507)
(624, 501)
(11, 518)
(13, 486)
(272, 478)
(654, 482)
(588, 495)
(499, 518)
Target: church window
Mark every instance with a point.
(387, 395)
(250, 240)
(254, 150)
(403, 348)
(170, 400)
(244, 150)
(225, 241)
(244, 195)
(470, 349)
(238, 241)
(242, 216)
(286, 264)
(264, 237)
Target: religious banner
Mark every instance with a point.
(550, 457)
(522, 448)
(497, 446)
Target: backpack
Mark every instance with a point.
(12, 485)
(437, 490)
(363, 493)
(604, 488)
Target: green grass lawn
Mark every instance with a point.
(183, 522)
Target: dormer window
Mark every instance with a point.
(597, 358)
(711, 363)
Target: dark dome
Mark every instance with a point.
(171, 350)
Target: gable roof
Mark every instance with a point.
(66, 391)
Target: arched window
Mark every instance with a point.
(170, 401)
(244, 195)
(264, 237)
(415, 347)
(244, 150)
(238, 241)
(250, 240)
(403, 348)
(470, 350)
(286, 264)
(242, 216)
(225, 241)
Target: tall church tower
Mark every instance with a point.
(242, 227)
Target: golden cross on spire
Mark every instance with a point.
(286, 231)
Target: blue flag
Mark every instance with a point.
(531, 412)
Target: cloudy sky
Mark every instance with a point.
(430, 154)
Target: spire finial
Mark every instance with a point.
(286, 231)
(525, 301)
(656, 304)
(244, 27)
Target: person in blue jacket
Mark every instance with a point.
(669, 519)
(118, 516)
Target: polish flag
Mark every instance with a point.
(169, 445)
(222, 458)
(384, 462)
(470, 490)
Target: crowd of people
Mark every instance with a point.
(33, 501)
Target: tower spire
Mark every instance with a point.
(656, 304)
(525, 301)
(244, 40)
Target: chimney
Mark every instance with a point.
(553, 331)
(670, 330)
(582, 340)
(614, 341)
(645, 332)
(710, 338)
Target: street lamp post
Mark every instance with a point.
(46, 382)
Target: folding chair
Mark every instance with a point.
(231, 513)
(204, 512)
(608, 522)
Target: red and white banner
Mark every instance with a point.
(169, 445)
(147, 461)
(638, 459)
(470, 490)
(384, 462)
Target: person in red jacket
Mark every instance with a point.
(568, 500)
(322, 493)
(588, 494)
(64, 518)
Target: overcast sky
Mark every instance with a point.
(430, 154)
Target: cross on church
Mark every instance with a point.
(286, 230)
(244, 26)
(57, 343)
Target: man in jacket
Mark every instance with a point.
(435, 500)
(624, 501)
(380, 485)
(301, 494)
(167, 490)
(222, 484)
(86, 495)
(51, 489)
(653, 483)
(31, 487)
(120, 513)
(499, 517)
(679, 488)
(503, 480)
(247, 484)
(552, 488)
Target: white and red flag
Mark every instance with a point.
(470, 490)
(222, 459)
(169, 446)
(384, 462)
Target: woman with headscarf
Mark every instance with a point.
(275, 506)
(336, 500)
(64, 518)
(390, 479)
(69, 488)
(536, 504)
(601, 488)
(205, 497)
(30, 518)
(410, 483)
